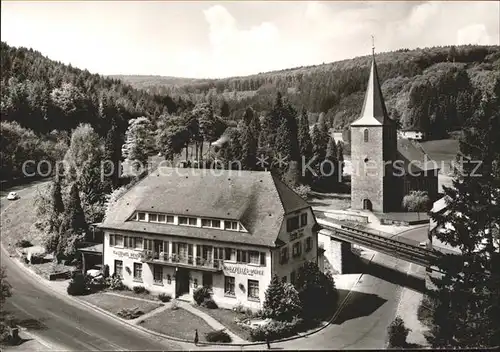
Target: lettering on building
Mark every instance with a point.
(242, 270)
(131, 255)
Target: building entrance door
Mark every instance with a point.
(181, 282)
(207, 280)
(367, 204)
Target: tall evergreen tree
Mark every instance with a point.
(112, 155)
(467, 295)
(340, 158)
(74, 226)
(304, 136)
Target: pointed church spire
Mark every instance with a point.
(374, 112)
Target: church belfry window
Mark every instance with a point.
(365, 135)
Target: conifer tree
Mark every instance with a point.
(249, 140)
(467, 295)
(74, 226)
(282, 301)
(304, 137)
(112, 155)
(340, 158)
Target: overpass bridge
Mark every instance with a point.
(404, 249)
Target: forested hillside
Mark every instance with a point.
(43, 100)
(431, 89)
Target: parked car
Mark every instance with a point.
(12, 196)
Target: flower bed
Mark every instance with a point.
(115, 304)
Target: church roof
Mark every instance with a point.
(414, 157)
(374, 112)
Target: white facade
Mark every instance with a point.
(237, 273)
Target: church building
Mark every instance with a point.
(385, 168)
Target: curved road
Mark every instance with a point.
(65, 325)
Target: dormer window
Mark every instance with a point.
(141, 216)
(210, 223)
(365, 135)
(183, 220)
(231, 225)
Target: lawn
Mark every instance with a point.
(132, 294)
(114, 304)
(227, 318)
(19, 216)
(178, 323)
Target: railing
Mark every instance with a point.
(163, 257)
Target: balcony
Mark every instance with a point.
(190, 261)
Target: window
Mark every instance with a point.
(183, 220)
(254, 257)
(284, 255)
(119, 268)
(365, 135)
(303, 220)
(231, 225)
(292, 277)
(153, 217)
(297, 249)
(128, 242)
(158, 274)
(253, 289)
(206, 252)
(263, 259)
(141, 216)
(170, 219)
(309, 243)
(230, 254)
(161, 218)
(112, 240)
(218, 253)
(138, 272)
(229, 285)
(119, 240)
(210, 223)
(148, 245)
(292, 224)
(138, 243)
(241, 256)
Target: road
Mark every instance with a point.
(66, 325)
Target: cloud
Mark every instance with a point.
(474, 34)
(239, 50)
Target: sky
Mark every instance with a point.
(204, 39)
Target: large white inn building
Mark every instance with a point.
(179, 229)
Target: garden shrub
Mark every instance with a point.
(425, 310)
(140, 289)
(164, 297)
(397, 333)
(130, 313)
(218, 336)
(115, 283)
(24, 244)
(238, 308)
(277, 330)
(105, 272)
(200, 294)
(209, 303)
(78, 285)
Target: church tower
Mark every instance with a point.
(373, 151)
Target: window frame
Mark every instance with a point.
(155, 280)
(139, 216)
(303, 219)
(120, 274)
(229, 281)
(290, 227)
(137, 268)
(253, 285)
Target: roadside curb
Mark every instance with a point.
(167, 337)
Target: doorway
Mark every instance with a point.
(367, 204)
(208, 280)
(181, 282)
